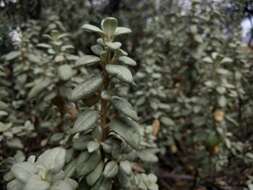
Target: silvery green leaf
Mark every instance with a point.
(250, 186)
(128, 130)
(12, 55)
(147, 155)
(93, 177)
(127, 60)
(3, 113)
(221, 89)
(72, 57)
(20, 157)
(103, 184)
(227, 60)
(70, 168)
(15, 143)
(87, 60)
(222, 101)
(167, 121)
(36, 183)
(58, 176)
(72, 182)
(124, 107)
(80, 142)
(152, 178)
(223, 71)
(3, 106)
(121, 72)
(92, 28)
(100, 41)
(56, 137)
(88, 88)
(80, 161)
(67, 47)
(69, 154)
(122, 30)
(53, 159)
(109, 25)
(126, 167)
(46, 46)
(111, 169)
(92, 146)
(24, 170)
(38, 87)
(105, 95)
(8, 176)
(91, 163)
(65, 72)
(107, 147)
(31, 159)
(62, 36)
(34, 58)
(59, 58)
(85, 121)
(113, 45)
(15, 185)
(82, 158)
(63, 185)
(208, 60)
(122, 52)
(97, 49)
(198, 38)
(5, 126)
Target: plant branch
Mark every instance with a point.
(104, 103)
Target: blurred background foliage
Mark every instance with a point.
(194, 81)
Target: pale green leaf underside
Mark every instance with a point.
(128, 130)
(124, 107)
(88, 88)
(85, 121)
(121, 72)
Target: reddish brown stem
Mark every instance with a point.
(104, 103)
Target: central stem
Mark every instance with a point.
(104, 102)
(104, 107)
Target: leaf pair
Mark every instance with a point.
(109, 28)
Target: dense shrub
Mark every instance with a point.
(68, 96)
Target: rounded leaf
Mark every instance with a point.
(15, 185)
(121, 72)
(126, 167)
(53, 159)
(87, 60)
(109, 25)
(127, 60)
(128, 130)
(92, 28)
(36, 183)
(87, 89)
(12, 55)
(124, 107)
(91, 163)
(65, 72)
(38, 87)
(113, 45)
(93, 146)
(97, 49)
(23, 171)
(111, 169)
(122, 30)
(64, 185)
(93, 177)
(103, 184)
(85, 121)
(147, 155)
